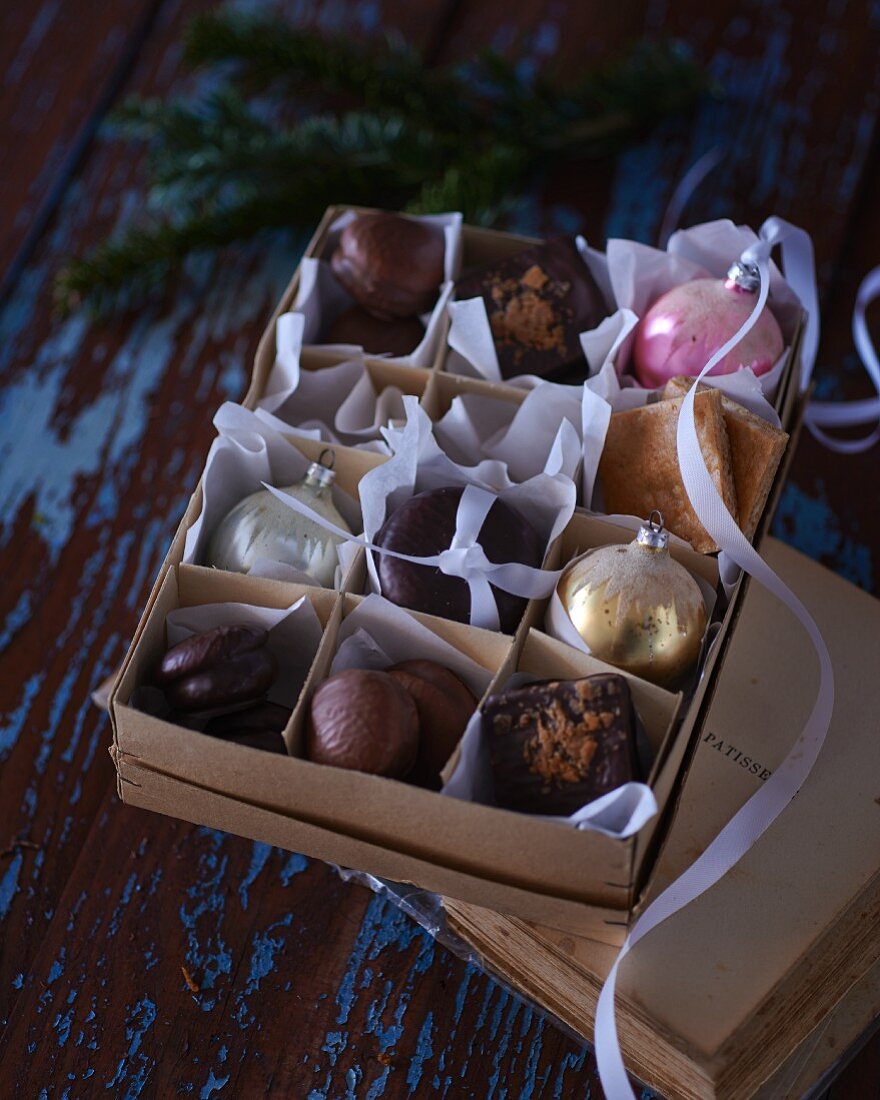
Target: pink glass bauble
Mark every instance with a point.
(687, 325)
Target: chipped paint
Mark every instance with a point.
(81, 466)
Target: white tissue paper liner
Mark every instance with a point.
(321, 298)
(639, 275)
(337, 404)
(246, 453)
(470, 335)
(418, 464)
(294, 634)
(557, 429)
(618, 814)
(378, 634)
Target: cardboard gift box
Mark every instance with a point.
(581, 882)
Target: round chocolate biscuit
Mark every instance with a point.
(424, 526)
(363, 720)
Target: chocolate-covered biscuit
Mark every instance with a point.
(424, 526)
(200, 652)
(240, 679)
(398, 336)
(363, 720)
(557, 745)
(259, 727)
(444, 705)
(217, 669)
(539, 301)
(391, 265)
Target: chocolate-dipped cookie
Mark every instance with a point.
(398, 336)
(363, 720)
(258, 727)
(424, 526)
(539, 301)
(218, 669)
(557, 745)
(444, 705)
(199, 652)
(391, 265)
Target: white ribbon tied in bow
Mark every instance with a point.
(463, 558)
(761, 810)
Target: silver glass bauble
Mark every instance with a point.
(262, 527)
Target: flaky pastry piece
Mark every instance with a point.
(639, 469)
(756, 449)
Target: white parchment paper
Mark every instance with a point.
(338, 404)
(246, 453)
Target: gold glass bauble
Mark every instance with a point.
(637, 608)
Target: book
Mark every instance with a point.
(725, 998)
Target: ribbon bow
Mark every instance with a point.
(464, 557)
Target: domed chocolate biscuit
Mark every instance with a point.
(390, 264)
(200, 652)
(444, 707)
(363, 720)
(423, 526)
(220, 668)
(539, 301)
(399, 336)
(258, 727)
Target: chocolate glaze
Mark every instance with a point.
(259, 727)
(556, 745)
(444, 707)
(423, 526)
(391, 265)
(538, 302)
(200, 652)
(363, 720)
(399, 336)
(247, 676)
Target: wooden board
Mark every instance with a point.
(305, 986)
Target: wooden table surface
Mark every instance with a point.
(299, 985)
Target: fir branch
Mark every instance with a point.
(481, 187)
(389, 133)
(387, 77)
(122, 272)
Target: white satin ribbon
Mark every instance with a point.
(761, 810)
(838, 414)
(464, 557)
(799, 265)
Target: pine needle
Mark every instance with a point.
(326, 120)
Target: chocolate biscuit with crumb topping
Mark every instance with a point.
(556, 745)
(538, 302)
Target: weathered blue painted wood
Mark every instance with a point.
(296, 984)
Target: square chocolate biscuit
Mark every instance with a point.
(556, 745)
(539, 301)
